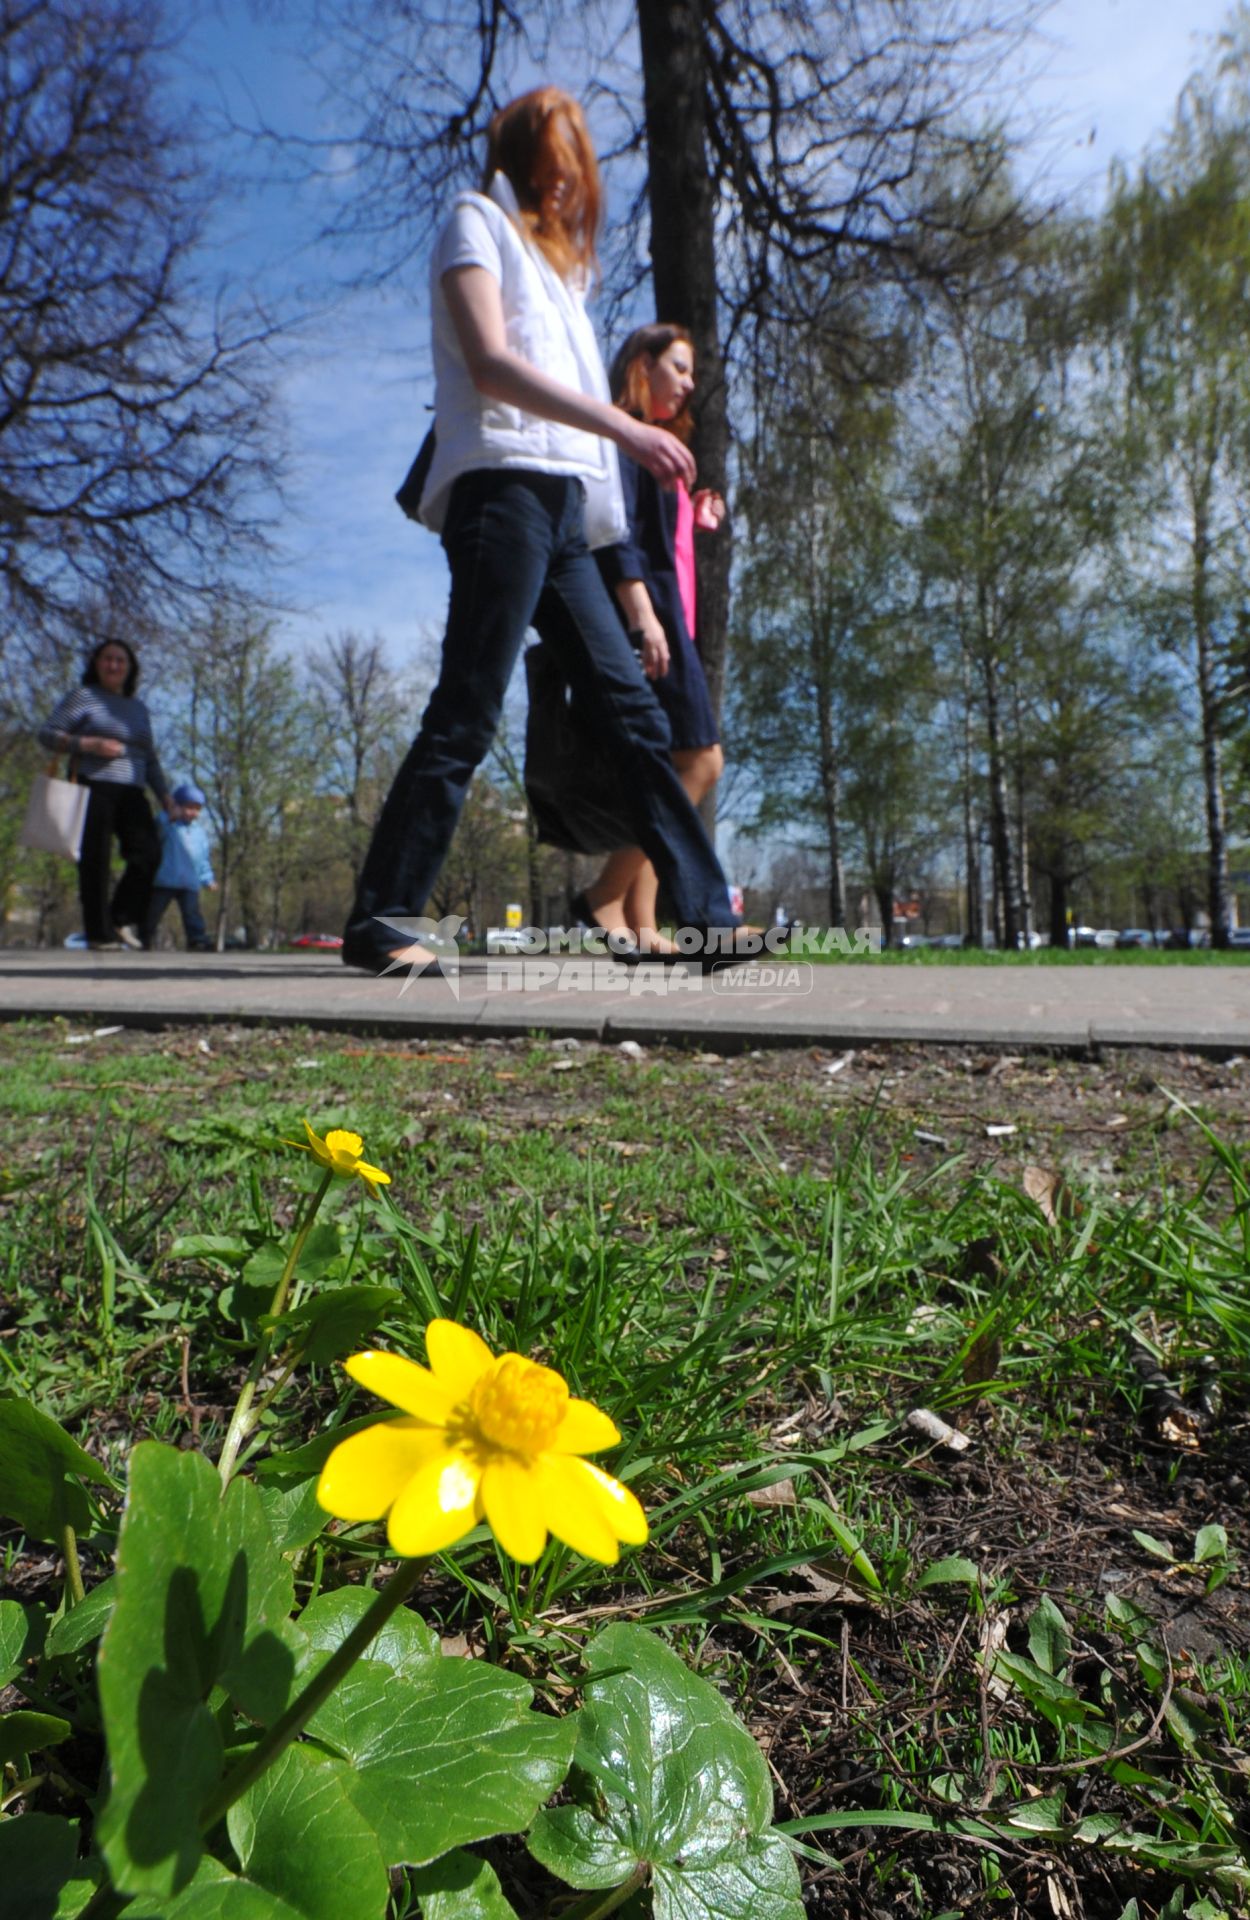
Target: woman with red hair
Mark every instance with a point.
(524, 481)
(652, 573)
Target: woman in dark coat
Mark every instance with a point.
(652, 576)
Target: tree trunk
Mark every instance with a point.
(1218, 903)
(975, 928)
(831, 796)
(683, 268)
(1058, 909)
(1000, 810)
(884, 893)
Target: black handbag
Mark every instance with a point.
(575, 795)
(413, 484)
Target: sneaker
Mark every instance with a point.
(130, 937)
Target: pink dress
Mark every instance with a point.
(683, 553)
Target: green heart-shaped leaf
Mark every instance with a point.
(37, 1457)
(406, 1645)
(298, 1835)
(460, 1887)
(42, 1876)
(443, 1751)
(334, 1323)
(24, 1732)
(203, 1599)
(85, 1622)
(22, 1631)
(294, 1514)
(669, 1782)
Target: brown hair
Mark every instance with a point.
(91, 672)
(533, 141)
(628, 379)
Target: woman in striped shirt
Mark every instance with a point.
(107, 732)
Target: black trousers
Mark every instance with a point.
(123, 811)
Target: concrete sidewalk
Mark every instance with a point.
(781, 1004)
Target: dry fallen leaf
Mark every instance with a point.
(823, 1592)
(1044, 1189)
(780, 1493)
(982, 1358)
(1181, 1428)
(994, 1631)
(1060, 1905)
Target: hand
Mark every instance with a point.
(660, 452)
(655, 654)
(709, 510)
(101, 747)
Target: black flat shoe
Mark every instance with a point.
(371, 959)
(363, 954)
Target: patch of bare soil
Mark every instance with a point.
(900, 1697)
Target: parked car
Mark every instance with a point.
(317, 942)
(505, 939)
(1139, 937)
(912, 941)
(1239, 937)
(1181, 938)
(1092, 937)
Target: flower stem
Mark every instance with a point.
(386, 1602)
(593, 1908)
(242, 1420)
(73, 1569)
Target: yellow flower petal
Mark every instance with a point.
(366, 1472)
(618, 1507)
(372, 1174)
(437, 1507)
(405, 1384)
(316, 1146)
(573, 1509)
(458, 1356)
(584, 1429)
(340, 1142)
(513, 1504)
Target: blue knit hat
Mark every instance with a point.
(187, 794)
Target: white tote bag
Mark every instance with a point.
(55, 815)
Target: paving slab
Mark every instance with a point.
(1203, 1008)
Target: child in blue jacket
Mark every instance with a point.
(185, 868)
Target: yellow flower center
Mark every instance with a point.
(343, 1148)
(517, 1405)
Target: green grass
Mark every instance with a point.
(654, 1230)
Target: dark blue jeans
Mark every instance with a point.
(188, 899)
(518, 559)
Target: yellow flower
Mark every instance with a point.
(340, 1152)
(480, 1439)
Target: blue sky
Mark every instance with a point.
(355, 377)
